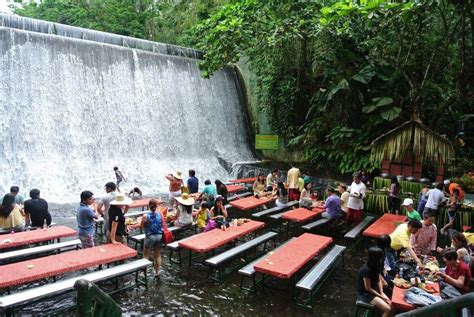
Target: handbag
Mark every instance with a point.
(167, 235)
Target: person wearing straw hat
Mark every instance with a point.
(184, 213)
(152, 223)
(176, 181)
(117, 226)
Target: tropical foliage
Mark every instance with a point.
(162, 21)
(331, 75)
(334, 77)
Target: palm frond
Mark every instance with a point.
(415, 138)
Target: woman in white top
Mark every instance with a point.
(184, 212)
(306, 201)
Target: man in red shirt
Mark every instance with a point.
(457, 273)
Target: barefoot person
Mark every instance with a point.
(104, 205)
(119, 176)
(117, 226)
(152, 223)
(85, 219)
(176, 181)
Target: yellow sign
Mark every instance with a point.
(266, 142)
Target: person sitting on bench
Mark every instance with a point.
(10, 214)
(259, 186)
(219, 213)
(280, 193)
(370, 282)
(184, 211)
(202, 215)
(457, 273)
(332, 205)
(306, 200)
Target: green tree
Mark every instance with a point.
(333, 77)
(163, 21)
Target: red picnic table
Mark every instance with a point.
(302, 214)
(384, 225)
(207, 241)
(243, 180)
(234, 188)
(53, 265)
(398, 298)
(249, 203)
(25, 238)
(288, 259)
(140, 203)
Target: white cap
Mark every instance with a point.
(447, 182)
(407, 202)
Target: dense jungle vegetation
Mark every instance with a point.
(331, 75)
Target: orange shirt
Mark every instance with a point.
(451, 188)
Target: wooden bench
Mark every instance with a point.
(357, 230)
(312, 225)
(273, 210)
(239, 196)
(249, 271)
(218, 260)
(315, 277)
(14, 255)
(26, 297)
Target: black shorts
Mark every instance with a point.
(366, 298)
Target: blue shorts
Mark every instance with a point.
(451, 215)
(154, 241)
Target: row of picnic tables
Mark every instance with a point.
(53, 265)
(283, 263)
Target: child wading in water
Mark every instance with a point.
(119, 176)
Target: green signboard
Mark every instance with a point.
(266, 142)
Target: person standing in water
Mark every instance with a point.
(120, 177)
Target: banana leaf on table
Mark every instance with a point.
(377, 203)
(380, 182)
(406, 186)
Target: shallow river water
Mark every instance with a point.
(185, 290)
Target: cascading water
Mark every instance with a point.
(72, 109)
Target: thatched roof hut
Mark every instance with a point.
(415, 140)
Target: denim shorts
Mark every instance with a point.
(366, 298)
(154, 241)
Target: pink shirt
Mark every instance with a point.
(424, 241)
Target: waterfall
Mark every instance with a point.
(72, 109)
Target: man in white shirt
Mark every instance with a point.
(356, 200)
(272, 179)
(293, 176)
(110, 188)
(435, 198)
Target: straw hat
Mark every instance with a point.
(178, 175)
(185, 200)
(121, 199)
